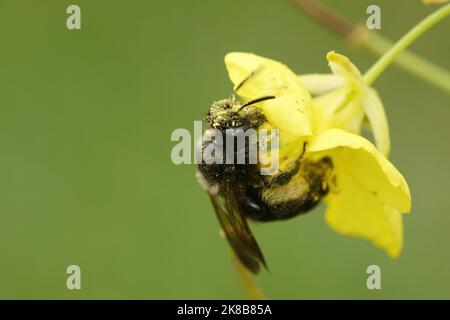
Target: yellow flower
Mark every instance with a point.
(434, 1)
(343, 100)
(367, 193)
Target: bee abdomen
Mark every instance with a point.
(299, 194)
(264, 212)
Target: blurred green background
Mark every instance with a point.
(85, 171)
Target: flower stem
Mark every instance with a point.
(411, 62)
(358, 36)
(247, 281)
(377, 69)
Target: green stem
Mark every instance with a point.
(247, 281)
(375, 71)
(411, 62)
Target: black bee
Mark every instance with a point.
(239, 192)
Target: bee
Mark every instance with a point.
(238, 191)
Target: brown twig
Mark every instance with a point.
(358, 36)
(326, 15)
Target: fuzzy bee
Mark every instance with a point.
(238, 191)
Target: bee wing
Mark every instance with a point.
(236, 229)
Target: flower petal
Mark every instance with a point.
(341, 66)
(318, 84)
(369, 195)
(255, 77)
(355, 212)
(263, 76)
(282, 113)
(339, 109)
(434, 1)
(374, 110)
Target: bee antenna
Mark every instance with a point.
(240, 85)
(251, 102)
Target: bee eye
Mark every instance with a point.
(255, 208)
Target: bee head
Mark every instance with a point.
(230, 113)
